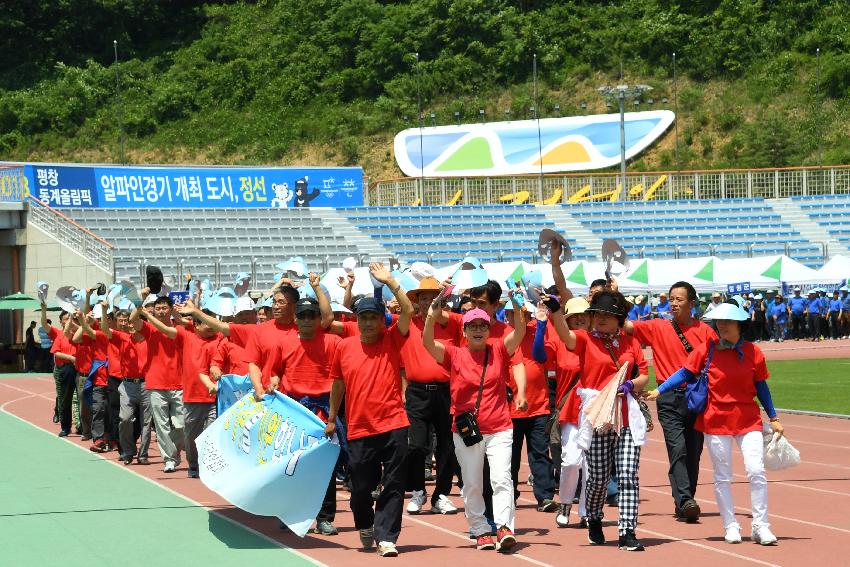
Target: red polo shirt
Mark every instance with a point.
(419, 365)
(668, 353)
(262, 348)
(195, 354)
(230, 358)
(92, 349)
(163, 367)
(60, 344)
(304, 365)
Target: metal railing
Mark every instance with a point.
(87, 244)
(605, 187)
(13, 184)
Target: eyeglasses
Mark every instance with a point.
(478, 327)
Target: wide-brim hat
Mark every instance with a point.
(428, 283)
(576, 306)
(727, 311)
(605, 303)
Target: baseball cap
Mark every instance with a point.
(370, 304)
(305, 305)
(475, 315)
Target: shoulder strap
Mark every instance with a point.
(613, 354)
(711, 346)
(483, 373)
(567, 393)
(678, 329)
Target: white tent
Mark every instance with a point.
(837, 269)
(765, 271)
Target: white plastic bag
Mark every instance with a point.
(778, 452)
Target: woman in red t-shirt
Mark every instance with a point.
(598, 350)
(736, 374)
(473, 368)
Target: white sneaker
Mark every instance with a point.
(170, 466)
(762, 535)
(442, 506)
(387, 549)
(417, 500)
(733, 534)
(562, 519)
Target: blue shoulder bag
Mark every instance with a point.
(696, 394)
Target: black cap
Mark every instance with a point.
(605, 303)
(370, 304)
(306, 304)
(153, 277)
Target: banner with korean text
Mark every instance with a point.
(131, 187)
(231, 389)
(269, 458)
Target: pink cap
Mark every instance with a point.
(474, 315)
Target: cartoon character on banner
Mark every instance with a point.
(282, 195)
(302, 196)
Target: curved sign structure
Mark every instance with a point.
(574, 143)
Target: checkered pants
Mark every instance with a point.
(606, 451)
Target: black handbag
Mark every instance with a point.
(466, 423)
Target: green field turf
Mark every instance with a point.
(821, 385)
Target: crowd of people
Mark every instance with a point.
(399, 381)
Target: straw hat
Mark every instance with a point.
(576, 306)
(427, 284)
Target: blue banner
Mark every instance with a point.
(119, 187)
(735, 288)
(231, 389)
(269, 458)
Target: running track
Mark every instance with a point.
(808, 508)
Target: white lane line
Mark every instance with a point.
(167, 489)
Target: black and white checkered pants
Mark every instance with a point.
(607, 451)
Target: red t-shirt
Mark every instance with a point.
(240, 334)
(419, 365)
(304, 365)
(113, 354)
(465, 367)
(668, 353)
(132, 358)
(195, 354)
(162, 371)
(60, 344)
(230, 358)
(597, 366)
(567, 366)
(371, 373)
(92, 349)
(536, 384)
(262, 348)
(730, 408)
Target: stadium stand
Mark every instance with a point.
(831, 212)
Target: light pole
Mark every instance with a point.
(120, 103)
(421, 126)
(819, 104)
(621, 93)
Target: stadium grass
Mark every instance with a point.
(821, 385)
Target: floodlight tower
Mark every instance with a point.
(621, 93)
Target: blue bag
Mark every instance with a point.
(696, 394)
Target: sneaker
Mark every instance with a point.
(763, 536)
(505, 540)
(194, 473)
(417, 500)
(690, 511)
(594, 532)
(443, 506)
(127, 460)
(64, 433)
(387, 549)
(99, 446)
(326, 528)
(583, 523)
(485, 542)
(530, 481)
(143, 461)
(548, 505)
(562, 519)
(169, 467)
(85, 437)
(367, 538)
(733, 534)
(629, 542)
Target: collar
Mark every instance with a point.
(723, 344)
(611, 338)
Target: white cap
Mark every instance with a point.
(244, 303)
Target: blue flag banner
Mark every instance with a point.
(231, 389)
(269, 458)
(132, 187)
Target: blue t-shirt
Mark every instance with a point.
(663, 307)
(798, 305)
(835, 305)
(845, 302)
(815, 306)
(780, 311)
(46, 341)
(639, 311)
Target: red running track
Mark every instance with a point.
(808, 509)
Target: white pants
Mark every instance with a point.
(496, 447)
(572, 463)
(752, 449)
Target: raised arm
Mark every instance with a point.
(84, 325)
(104, 320)
(383, 275)
(347, 283)
(564, 332)
(514, 338)
(434, 348)
(324, 301)
(564, 292)
(188, 309)
(44, 324)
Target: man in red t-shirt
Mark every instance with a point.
(199, 408)
(162, 379)
(428, 402)
(64, 373)
(367, 371)
(669, 353)
(92, 363)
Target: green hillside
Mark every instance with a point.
(331, 81)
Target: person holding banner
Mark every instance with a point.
(367, 370)
(603, 351)
(737, 373)
(479, 376)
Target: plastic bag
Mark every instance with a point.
(778, 452)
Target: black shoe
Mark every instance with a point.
(629, 542)
(594, 532)
(547, 505)
(143, 461)
(690, 511)
(78, 429)
(326, 528)
(55, 417)
(86, 437)
(64, 433)
(611, 500)
(127, 460)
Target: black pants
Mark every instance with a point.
(533, 430)
(366, 457)
(798, 326)
(99, 413)
(428, 407)
(328, 510)
(814, 326)
(684, 444)
(834, 325)
(68, 384)
(114, 401)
